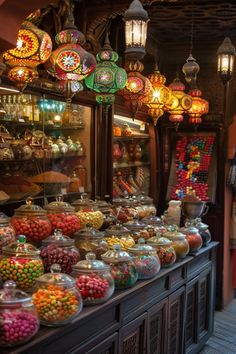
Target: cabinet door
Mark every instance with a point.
(205, 303)
(133, 336)
(191, 312)
(176, 310)
(108, 346)
(157, 328)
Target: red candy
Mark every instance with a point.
(34, 228)
(92, 287)
(67, 223)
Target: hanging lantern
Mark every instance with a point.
(159, 96)
(137, 87)
(107, 78)
(226, 53)
(190, 70)
(136, 19)
(180, 102)
(33, 47)
(198, 108)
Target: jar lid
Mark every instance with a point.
(120, 202)
(30, 208)
(189, 229)
(199, 224)
(90, 264)
(173, 234)
(117, 230)
(59, 239)
(89, 232)
(153, 220)
(9, 295)
(55, 277)
(4, 219)
(159, 241)
(145, 199)
(142, 249)
(83, 202)
(20, 248)
(135, 225)
(59, 205)
(116, 255)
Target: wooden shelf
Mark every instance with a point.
(119, 166)
(37, 125)
(132, 137)
(34, 160)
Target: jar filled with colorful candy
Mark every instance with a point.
(21, 262)
(56, 298)
(18, 318)
(145, 259)
(138, 229)
(88, 213)
(179, 241)
(122, 266)
(192, 236)
(164, 249)
(119, 235)
(94, 280)
(7, 233)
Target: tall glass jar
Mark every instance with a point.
(122, 266)
(94, 280)
(164, 249)
(145, 259)
(57, 298)
(59, 249)
(32, 221)
(179, 242)
(88, 213)
(21, 262)
(7, 233)
(18, 317)
(119, 235)
(138, 229)
(193, 237)
(62, 216)
(203, 231)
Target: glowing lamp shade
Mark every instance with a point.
(180, 102)
(226, 53)
(198, 108)
(107, 78)
(136, 19)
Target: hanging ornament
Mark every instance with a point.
(180, 102)
(190, 70)
(159, 96)
(33, 47)
(137, 87)
(107, 78)
(198, 108)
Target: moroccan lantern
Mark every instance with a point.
(159, 96)
(190, 70)
(33, 47)
(137, 87)
(107, 78)
(198, 108)
(180, 102)
(226, 53)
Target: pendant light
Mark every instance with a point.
(226, 53)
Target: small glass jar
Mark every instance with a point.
(148, 205)
(57, 298)
(109, 216)
(119, 235)
(164, 249)
(137, 229)
(122, 266)
(18, 317)
(179, 242)
(124, 210)
(94, 280)
(193, 237)
(21, 262)
(7, 233)
(157, 223)
(32, 221)
(88, 213)
(145, 259)
(62, 216)
(90, 240)
(59, 249)
(203, 231)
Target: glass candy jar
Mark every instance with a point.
(122, 266)
(57, 298)
(164, 249)
(137, 229)
(94, 280)
(203, 231)
(156, 223)
(193, 237)
(21, 262)
(109, 216)
(31, 220)
(90, 240)
(88, 213)
(119, 235)
(124, 210)
(62, 216)
(148, 205)
(145, 259)
(179, 242)
(59, 249)
(18, 318)
(7, 233)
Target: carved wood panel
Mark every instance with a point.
(133, 336)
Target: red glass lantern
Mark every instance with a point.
(198, 108)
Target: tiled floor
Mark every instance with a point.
(223, 340)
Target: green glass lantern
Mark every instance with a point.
(107, 78)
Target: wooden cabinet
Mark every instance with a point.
(132, 338)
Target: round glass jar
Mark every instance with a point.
(145, 259)
(62, 216)
(57, 298)
(7, 233)
(32, 221)
(164, 249)
(203, 231)
(59, 249)
(123, 269)
(193, 237)
(179, 242)
(109, 216)
(94, 280)
(156, 223)
(137, 229)
(87, 212)
(124, 210)
(18, 317)
(21, 263)
(90, 240)
(148, 205)
(119, 235)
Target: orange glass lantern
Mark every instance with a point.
(198, 108)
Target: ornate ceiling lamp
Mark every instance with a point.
(107, 78)
(137, 88)
(226, 53)
(159, 96)
(198, 108)
(33, 47)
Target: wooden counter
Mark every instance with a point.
(172, 313)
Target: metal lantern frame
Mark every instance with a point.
(226, 53)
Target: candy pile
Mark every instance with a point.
(147, 266)
(7, 236)
(166, 255)
(67, 223)
(34, 228)
(93, 288)
(124, 275)
(125, 242)
(92, 218)
(17, 327)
